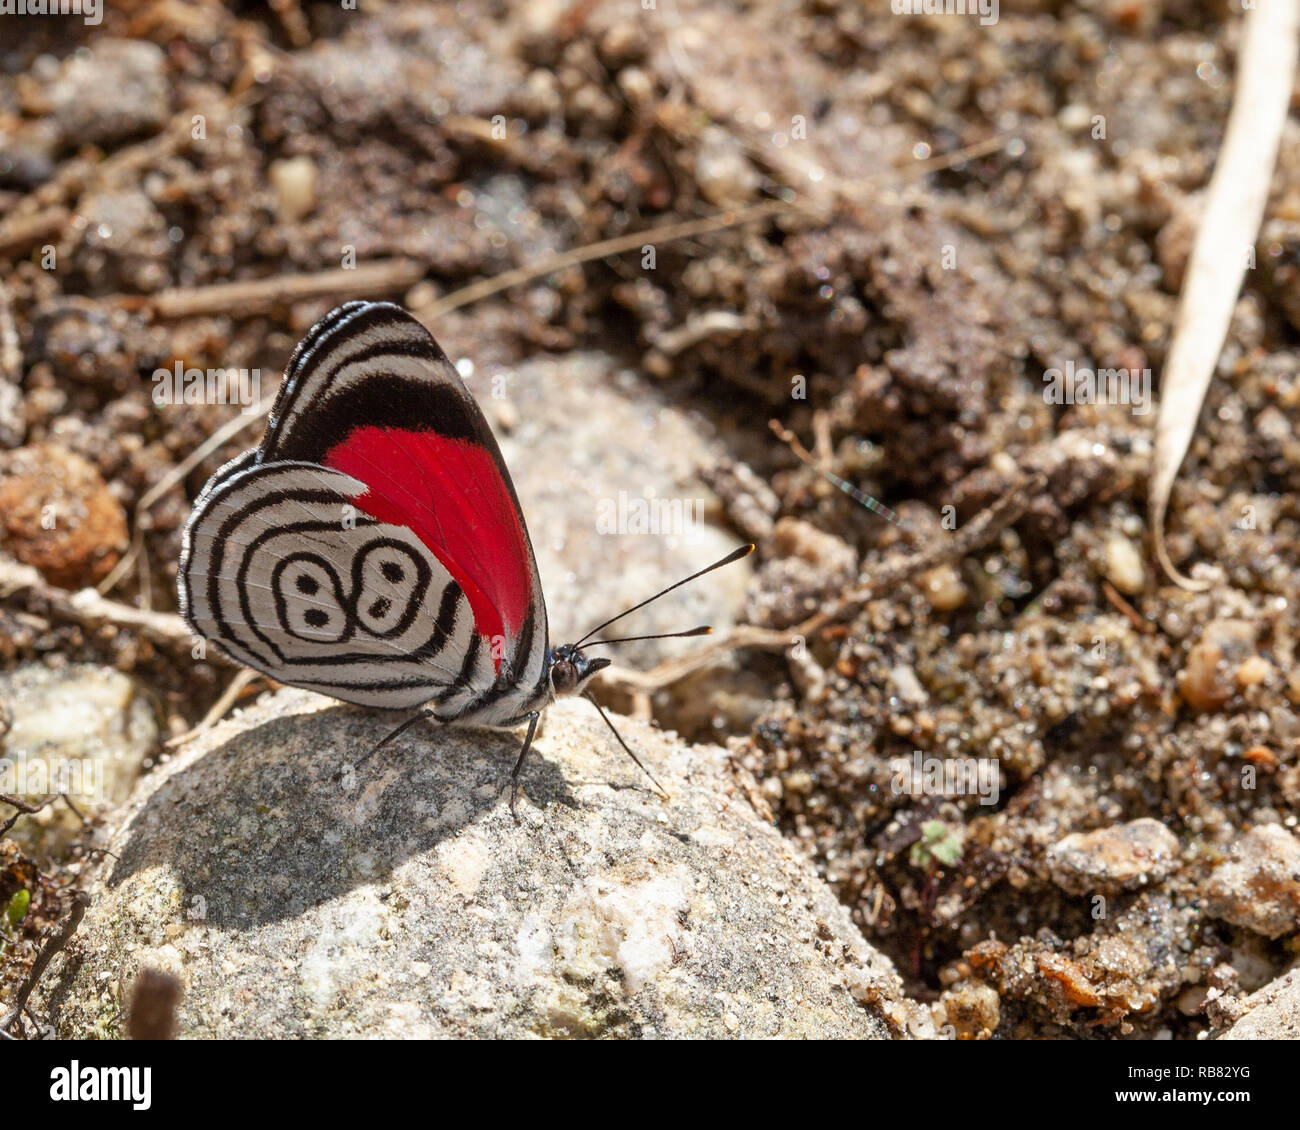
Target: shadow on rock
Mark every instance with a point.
(280, 818)
(401, 901)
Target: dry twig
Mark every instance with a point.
(229, 697)
(91, 610)
(665, 233)
(24, 808)
(254, 296)
(80, 901)
(1234, 207)
(18, 233)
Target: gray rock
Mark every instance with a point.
(125, 242)
(87, 722)
(403, 900)
(1273, 1011)
(109, 92)
(27, 154)
(592, 452)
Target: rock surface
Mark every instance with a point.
(607, 476)
(82, 729)
(114, 91)
(1259, 886)
(403, 900)
(1123, 857)
(1273, 1011)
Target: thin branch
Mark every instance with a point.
(81, 816)
(20, 232)
(665, 233)
(256, 296)
(25, 808)
(80, 901)
(91, 610)
(228, 698)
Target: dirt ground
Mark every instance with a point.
(892, 302)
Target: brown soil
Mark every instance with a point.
(899, 315)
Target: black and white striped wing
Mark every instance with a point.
(283, 574)
(372, 547)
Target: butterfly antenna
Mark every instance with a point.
(702, 630)
(627, 748)
(734, 555)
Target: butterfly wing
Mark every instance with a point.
(372, 546)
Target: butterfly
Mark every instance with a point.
(372, 547)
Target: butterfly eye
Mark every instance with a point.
(564, 677)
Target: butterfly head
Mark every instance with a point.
(571, 670)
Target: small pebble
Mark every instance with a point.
(294, 181)
(1124, 567)
(943, 587)
(1122, 857)
(1259, 886)
(722, 170)
(57, 514)
(1206, 681)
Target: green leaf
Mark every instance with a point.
(947, 851)
(17, 909)
(938, 842)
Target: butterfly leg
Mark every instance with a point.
(420, 716)
(626, 748)
(519, 764)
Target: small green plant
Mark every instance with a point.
(16, 911)
(939, 843)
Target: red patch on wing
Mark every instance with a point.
(450, 493)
